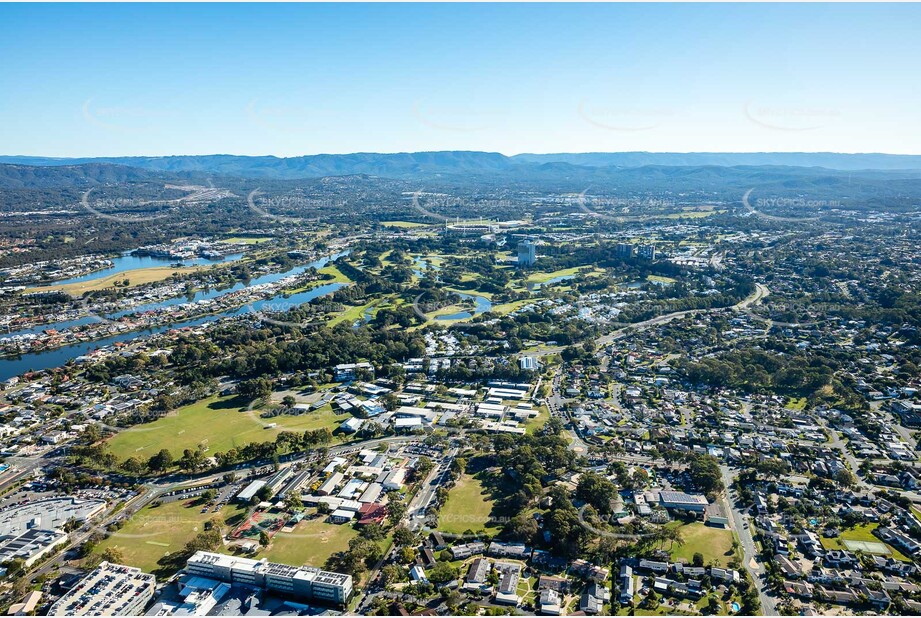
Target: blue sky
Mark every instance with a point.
(158, 79)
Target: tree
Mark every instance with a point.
(845, 478)
(395, 512)
(293, 501)
(264, 539)
(714, 607)
(161, 461)
(256, 388)
(596, 490)
(372, 532)
(391, 573)
(442, 573)
(704, 471)
(402, 536)
(698, 559)
(288, 401)
(406, 555)
(113, 555)
(133, 465)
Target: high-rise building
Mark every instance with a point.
(624, 249)
(647, 252)
(527, 253)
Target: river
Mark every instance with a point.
(34, 361)
(127, 262)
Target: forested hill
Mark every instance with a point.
(829, 160)
(77, 176)
(420, 165)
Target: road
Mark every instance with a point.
(757, 296)
(156, 488)
(750, 558)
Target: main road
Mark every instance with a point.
(757, 296)
(749, 550)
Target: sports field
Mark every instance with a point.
(311, 543)
(467, 508)
(715, 544)
(218, 424)
(404, 224)
(155, 531)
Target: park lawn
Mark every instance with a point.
(405, 224)
(715, 544)
(139, 276)
(860, 533)
(658, 279)
(217, 423)
(537, 423)
(796, 403)
(312, 542)
(468, 507)
(155, 531)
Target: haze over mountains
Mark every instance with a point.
(865, 179)
(414, 165)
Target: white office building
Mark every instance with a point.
(303, 582)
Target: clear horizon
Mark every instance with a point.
(297, 80)
(374, 152)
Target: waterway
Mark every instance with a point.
(34, 361)
(127, 262)
(483, 305)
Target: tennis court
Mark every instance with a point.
(868, 547)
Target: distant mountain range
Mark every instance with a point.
(830, 160)
(421, 165)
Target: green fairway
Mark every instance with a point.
(468, 507)
(715, 544)
(155, 531)
(352, 314)
(658, 279)
(338, 275)
(311, 543)
(216, 423)
(544, 277)
(506, 308)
